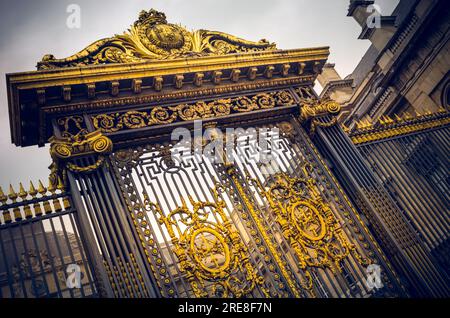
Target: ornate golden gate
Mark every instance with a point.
(239, 226)
(265, 219)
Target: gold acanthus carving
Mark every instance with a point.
(308, 223)
(212, 254)
(159, 115)
(63, 150)
(151, 37)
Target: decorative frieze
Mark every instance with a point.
(158, 115)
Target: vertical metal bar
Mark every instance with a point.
(5, 259)
(82, 254)
(88, 239)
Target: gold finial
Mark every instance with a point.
(41, 189)
(358, 124)
(418, 114)
(51, 186)
(60, 185)
(407, 116)
(12, 194)
(388, 119)
(345, 128)
(22, 193)
(3, 197)
(441, 109)
(56, 202)
(398, 118)
(32, 190)
(364, 124)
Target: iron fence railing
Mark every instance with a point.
(41, 250)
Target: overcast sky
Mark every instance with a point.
(30, 29)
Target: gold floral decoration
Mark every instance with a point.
(308, 223)
(158, 115)
(212, 254)
(151, 37)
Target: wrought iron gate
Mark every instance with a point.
(42, 252)
(240, 226)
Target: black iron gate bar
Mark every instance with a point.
(113, 248)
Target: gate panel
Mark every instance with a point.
(282, 228)
(198, 242)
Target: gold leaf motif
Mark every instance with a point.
(308, 223)
(159, 115)
(151, 38)
(212, 254)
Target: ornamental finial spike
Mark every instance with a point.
(60, 185)
(22, 193)
(3, 197)
(407, 116)
(345, 128)
(12, 194)
(32, 191)
(52, 184)
(41, 189)
(388, 120)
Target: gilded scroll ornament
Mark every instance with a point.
(63, 150)
(312, 108)
(212, 254)
(159, 115)
(313, 111)
(308, 223)
(151, 37)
